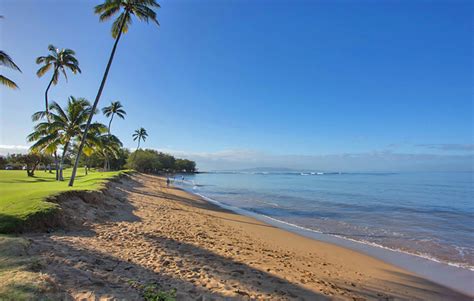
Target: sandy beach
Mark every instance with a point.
(139, 232)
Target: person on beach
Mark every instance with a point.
(167, 182)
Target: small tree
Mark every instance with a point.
(31, 161)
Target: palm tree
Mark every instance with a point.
(63, 126)
(60, 60)
(139, 135)
(114, 108)
(143, 10)
(6, 60)
(108, 147)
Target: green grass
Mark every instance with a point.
(23, 197)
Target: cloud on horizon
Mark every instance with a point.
(448, 147)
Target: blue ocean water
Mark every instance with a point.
(426, 214)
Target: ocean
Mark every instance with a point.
(429, 215)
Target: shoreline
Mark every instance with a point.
(426, 230)
(143, 232)
(429, 268)
(444, 273)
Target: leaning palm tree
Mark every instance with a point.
(63, 126)
(6, 60)
(59, 60)
(143, 10)
(115, 108)
(140, 135)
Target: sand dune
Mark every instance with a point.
(141, 232)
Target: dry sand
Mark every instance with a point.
(140, 232)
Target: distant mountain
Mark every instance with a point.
(268, 169)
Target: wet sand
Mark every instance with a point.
(140, 232)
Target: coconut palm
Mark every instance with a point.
(60, 60)
(63, 126)
(6, 60)
(115, 108)
(143, 10)
(140, 135)
(108, 147)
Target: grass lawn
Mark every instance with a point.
(22, 197)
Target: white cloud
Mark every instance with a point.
(6, 149)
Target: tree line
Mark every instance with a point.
(148, 160)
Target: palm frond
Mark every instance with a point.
(8, 82)
(107, 10)
(145, 13)
(38, 115)
(118, 22)
(41, 71)
(54, 106)
(64, 72)
(7, 61)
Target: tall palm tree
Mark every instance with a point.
(140, 135)
(114, 108)
(6, 60)
(60, 60)
(63, 127)
(143, 10)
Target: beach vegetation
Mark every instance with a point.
(140, 135)
(59, 60)
(62, 128)
(154, 293)
(111, 144)
(29, 162)
(185, 165)
(97, 159)
(115, 108)
(152, 161)
(141, 9)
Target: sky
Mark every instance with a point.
(324, 85)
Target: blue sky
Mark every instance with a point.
(252, 83)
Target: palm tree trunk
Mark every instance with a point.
(66, 145)
(106, 155)
(110, 122)
(56, 166)
(46, 93)
(94, 106)
(87, 163)
(135, 153)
